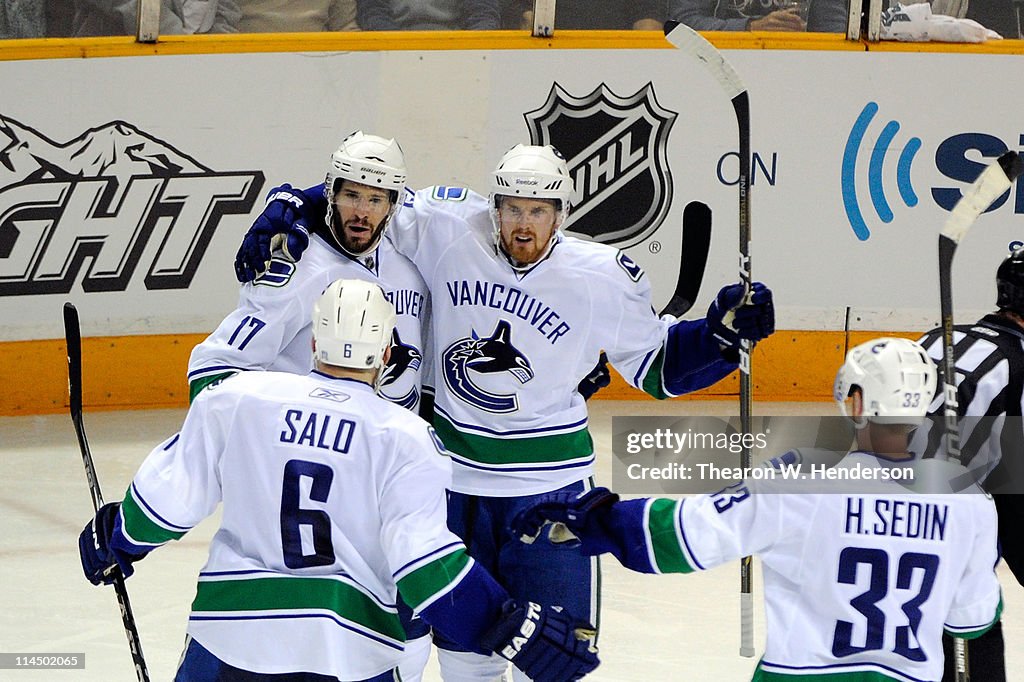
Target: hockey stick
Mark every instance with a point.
(692, 43)
(990, 185)
(73, 337)
(693, 258)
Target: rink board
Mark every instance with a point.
(131, 174)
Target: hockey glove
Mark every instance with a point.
(544, 642)
(577, 520)
(281, 227)
(99, 558)
(598, 378)
(731, 318)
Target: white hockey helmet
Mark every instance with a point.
(532, 172)
(368, 160)
(896, 378)
(352, 324)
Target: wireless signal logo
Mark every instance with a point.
(875, 165)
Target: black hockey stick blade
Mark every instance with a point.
(693, 258)
(73, 340)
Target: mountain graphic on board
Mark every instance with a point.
(114, 150)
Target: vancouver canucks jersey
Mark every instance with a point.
(272, 327)
(857, 585)
(331, 496)
(510, 347)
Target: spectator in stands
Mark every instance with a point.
(59, 15)
(428, 15)
(118, 17)
(826, 16)
(644, 15)
(290, 16)
(22, 19)
(1002, 16)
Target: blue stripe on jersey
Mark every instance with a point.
(510, 432)
(842, 670)
(686, 543)
(642, 370)
(296, 616)
(469, 464)
(428, 557)
(153, 514)
(213, 370)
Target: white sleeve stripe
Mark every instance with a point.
(152, 515)
(684, 545)
(648, 540)
(426, 559)
(447, 588)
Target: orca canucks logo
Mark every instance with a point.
(403, 356)
(616, 148)
(463, 360)
(111, 200)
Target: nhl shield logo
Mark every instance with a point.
(616, 148)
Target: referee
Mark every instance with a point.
(990, 393)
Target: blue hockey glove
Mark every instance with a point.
(544, 642)
(598, 378)
(578, 520)
(281, 227)
(97, 554)
(731, 319)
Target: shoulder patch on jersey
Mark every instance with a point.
(437, 442)
(329, 394)
(277, 275)
(443, 193)
(634, 271)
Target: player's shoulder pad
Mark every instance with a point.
(602, 259)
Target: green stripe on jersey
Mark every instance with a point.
(198, 385)
(431, 578)
(661, 529)
(651, 384)
(140, 527)
(292, 594)
(535, 450)
(764, 676)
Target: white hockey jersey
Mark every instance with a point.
(511, 347)
(855, 583)
(272, 327)
(331, 496)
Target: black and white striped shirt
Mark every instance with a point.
(990, 393)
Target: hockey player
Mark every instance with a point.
(270, 329)
(857, 584)
(333, 502)
(520, 312)
(990, 396)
